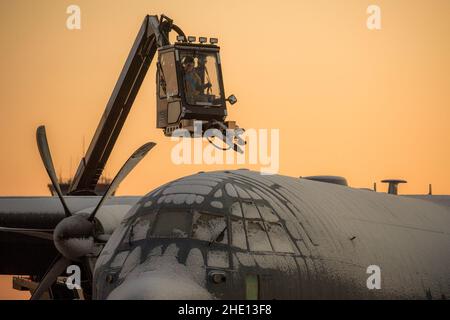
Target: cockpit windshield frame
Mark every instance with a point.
(160, 221)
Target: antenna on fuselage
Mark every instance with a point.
(393, 185)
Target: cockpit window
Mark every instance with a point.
(256, 228)
(140, 227)
(267, 213)
(238, 235)
(201, 78)
(172, 225)
(250, 210)
(279, 238)
(209, 228)
(257, 236)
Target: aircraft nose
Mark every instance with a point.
(159, 286)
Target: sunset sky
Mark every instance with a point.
(364, 104)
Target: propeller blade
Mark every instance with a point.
(58, 267)
(37, 233)
(46, 157)
(135, 158)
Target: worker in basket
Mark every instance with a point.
(193, 83)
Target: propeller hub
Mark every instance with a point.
(74, 237)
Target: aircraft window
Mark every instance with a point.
(236, 209)
(250, 210)
(279, 238)
(201, 78)
(251, 287)
(210, 228)
(168, 83)
(242, 193)
(172, 225)
(257, 236)
(267, 213)
(139, 229)
(238, 234)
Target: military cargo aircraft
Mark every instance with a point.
(242, 235)
(216, 235)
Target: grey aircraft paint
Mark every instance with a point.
(25, 255)
(224, 234)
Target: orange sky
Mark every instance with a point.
(348, 101)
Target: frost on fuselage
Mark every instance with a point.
(215, 215)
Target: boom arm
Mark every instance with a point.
(154, 33)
